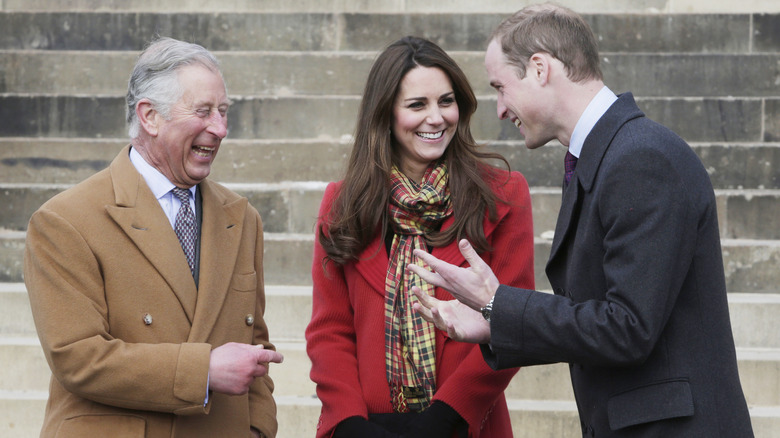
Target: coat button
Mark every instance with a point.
(147, 319)
(250, 320)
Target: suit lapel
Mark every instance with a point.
(138, 213)
(593, 151)
(220, 240)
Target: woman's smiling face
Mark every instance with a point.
(425, 118)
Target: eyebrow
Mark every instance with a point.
(425, 98)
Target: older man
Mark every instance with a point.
(146, 280)
(639, 310)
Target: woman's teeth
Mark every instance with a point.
(431, 135)
(517, 123)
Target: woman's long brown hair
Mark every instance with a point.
(359, 210)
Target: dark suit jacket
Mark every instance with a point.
(100, 257)
(639, 310)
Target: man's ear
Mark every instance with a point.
(539, 67)
(148, 116)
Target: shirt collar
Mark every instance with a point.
(157, 182)
(596, 108)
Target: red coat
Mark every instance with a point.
(345, 338)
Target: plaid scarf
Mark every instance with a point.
(410, 342)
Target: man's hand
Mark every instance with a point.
(459, 321)
(234, 366)
(473, 286)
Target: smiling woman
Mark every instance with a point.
(415, 179)
(425, 118)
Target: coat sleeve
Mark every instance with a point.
(645, 217)
(473, 387)
(262, 407)
(67, 296)
(331, 339)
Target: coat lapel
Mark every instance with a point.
(373, 260)
(221, 233)
(593, 151)
(138, 213)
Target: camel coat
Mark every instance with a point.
(123, 327)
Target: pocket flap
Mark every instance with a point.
(115, 426)
(657, 401)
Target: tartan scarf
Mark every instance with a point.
(410, 341)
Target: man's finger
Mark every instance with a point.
(471, 256)
(424, 303)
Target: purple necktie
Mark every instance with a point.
(569, 163)
(185, 226)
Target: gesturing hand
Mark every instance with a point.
(234, 366)
(473, 286)
(459, 321)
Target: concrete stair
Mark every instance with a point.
(296, 69)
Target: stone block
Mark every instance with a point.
(766, 32)
(279, 161)
(298, 73)
(16, 321)
(54, 161)
(772, 120)
(735, 166)
(692, 75)
(751, 266)
(753, 215)
(671, 33)
(54, 72)
(132, 31)
(294, 117)
(708, 120)
(62, 116)
(18, 204)
(373, 32)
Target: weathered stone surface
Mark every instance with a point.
(132, 31)
(753, 215)
(357, 31)
(672, 33)
(693, 75)
(66, 116)
(329, 73)
(708, 120)
(766, 32)
(772, 119)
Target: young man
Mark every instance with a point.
(639, 310)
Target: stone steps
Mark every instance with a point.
(697, 119)
(539, 398)
(296, 69)
(750, 265)
(296, 30)
(292, 207)
(382, 6)
(313, 73)
(297, 417)
(66, 161)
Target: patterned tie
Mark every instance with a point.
(185, 226)
(569, 163)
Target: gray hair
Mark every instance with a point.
(155, 76)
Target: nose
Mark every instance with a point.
(434, 116)
(501, 110)
(217, 124)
